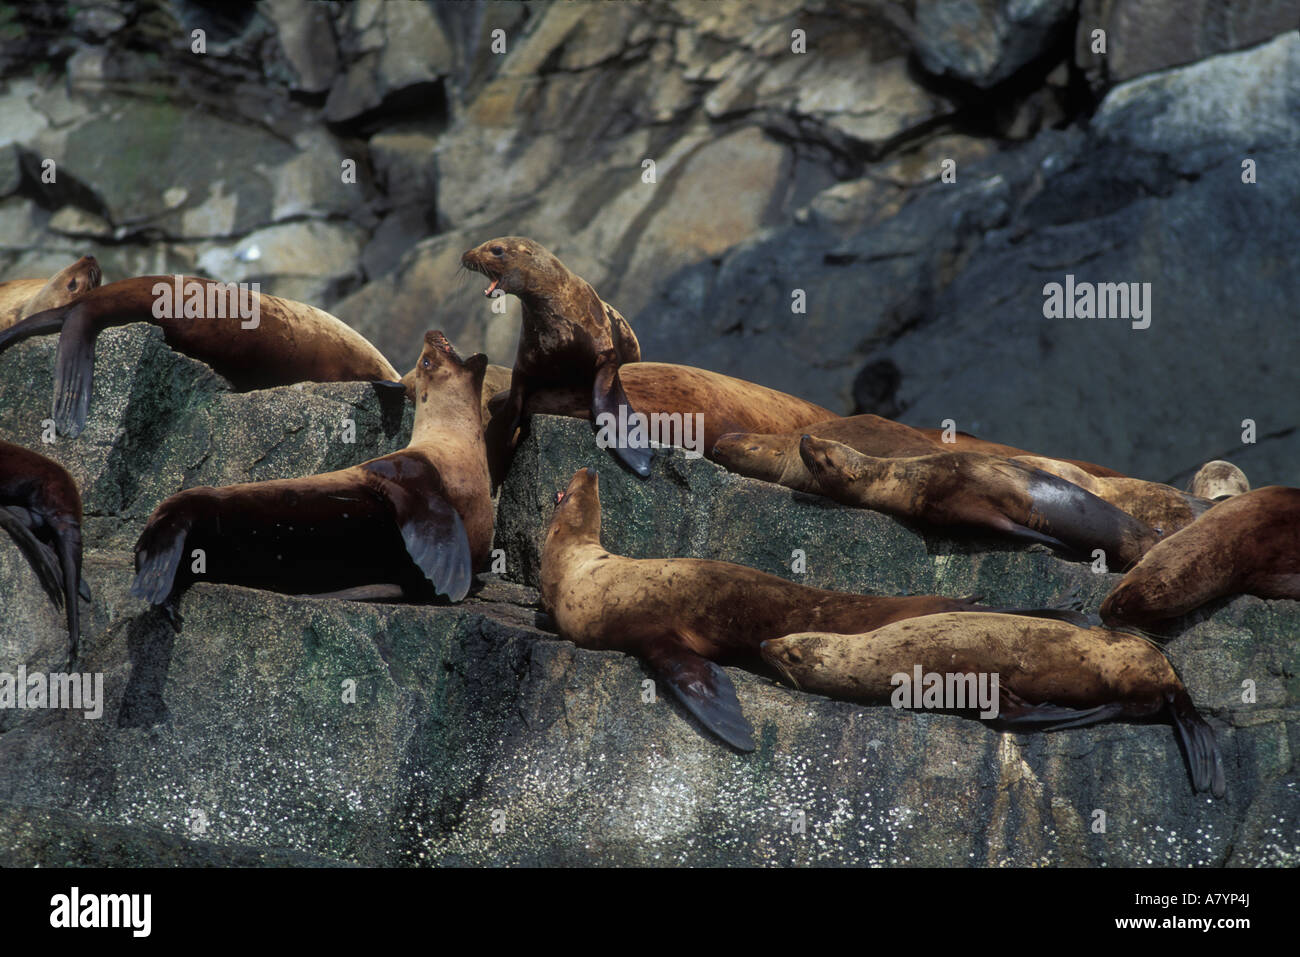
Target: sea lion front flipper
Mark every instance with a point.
(431, 529)
(1026, 533)
(607, 396)
(74, 374)
(51, 320)
(39, 555)
(158, 557)
(704, 688)
(1199, 745)
(1019, 715)
(1069, 615)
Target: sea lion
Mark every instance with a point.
(1218, 480)
(256, 341)
(1163, 507)
(775, 457)
(1051, 674)
(569, 336)
(977, 490)
(20, 298)
(682, 615)
(40, 508)
(411, 518)
(496, 381)
(663, 389)
(1247, 544)
(965, 442)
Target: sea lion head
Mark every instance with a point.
(518, 266)
(1218, 480)
(828, 460)
(1137, 600)
(577, 509)
(758, 456)
(440, 371)
(65, 285)
(791, 653)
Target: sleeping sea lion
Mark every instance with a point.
(980, 491)
(20, 298)
(1051, 674)
(1247, 544)
(682, 615)
(255, 341)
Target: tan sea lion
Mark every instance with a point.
(980, 491)
(255, 341)
(1051, 674)
(1248, 544)
(775, 457)
(681, 615)
(412, 518)
(1163, 507)
(569, 337)
(965, 442)
(1218, 480)
(20, 298)
(40, 508)
(663, 389)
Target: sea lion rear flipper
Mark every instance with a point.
(606, 396)
(704, 688)
(1028, 534)
(83, 589)
(39, 555)
(1069, 615)
(74, 374)
(1202, 750)
(68, 542)
(431, 529)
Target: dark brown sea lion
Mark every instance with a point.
(1051, 674)
(20, 298)
(1218, 480)
(255, 341)
(681, 615)
(569, 337)
(412, 518)
(662, 389)
(965, 442)
(1163, 507)
(1248, 544)
(40, 508)
(975, 490)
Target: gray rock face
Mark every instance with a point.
(710, 168)
(285, 730)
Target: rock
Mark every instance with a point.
(11, 170)
(307, 39)
(1143, 37)
(404, 167)
(399, 49)
(235, 739)
(983, 42)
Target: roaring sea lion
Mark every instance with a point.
(1218, 480)
(40, 508)
(663, 389)
(1248, 544)
(1163, 507)
(983, 491)
(20, 298)
(569, 337)
(255, 341)
(681, 615)
(412, 518)
(1051, 674)
(965, 442)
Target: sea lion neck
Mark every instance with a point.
(453, 406)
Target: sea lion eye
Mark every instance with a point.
(72, 284)
(426, 363)
(498, 250)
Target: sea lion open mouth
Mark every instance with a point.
(472, 263)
